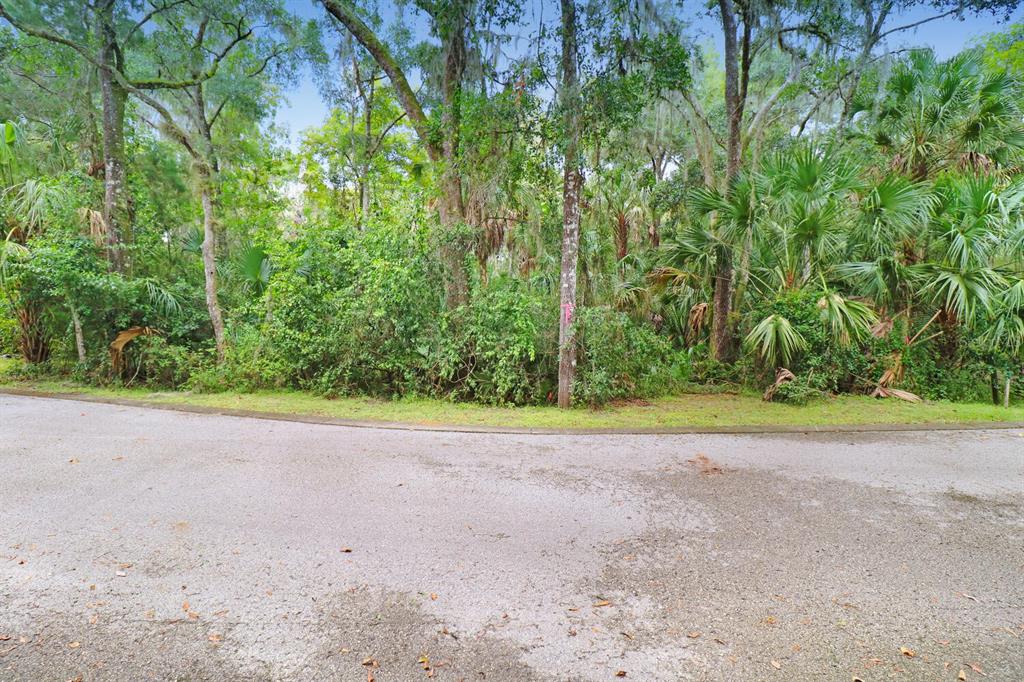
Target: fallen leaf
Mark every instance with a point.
(693, 635)
(4, 638)
(74, 645)
(627, 636)
(909, 653)
(620, 673)
(73, 461)
(346, 550)
(967, 596)
(962, 676)
(117, 459)
(369, 675)
(977, 668)
(707, 467)
(602, 602)
(93, 619)
(433, 596)
(122, 574)
(770, 620)
(776, 665)
(370, 662)
(215, 637)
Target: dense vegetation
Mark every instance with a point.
(498, 192)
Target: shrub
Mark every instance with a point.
(8, 332)
(494, 350)
(619, 358)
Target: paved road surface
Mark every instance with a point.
(142, 544)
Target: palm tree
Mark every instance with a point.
(776, 341)
(966, 228)
(886, 239)
(624, 201)
(948, 115)
(808, 193)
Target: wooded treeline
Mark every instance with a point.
(514, 202)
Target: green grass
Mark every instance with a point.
(695, 409)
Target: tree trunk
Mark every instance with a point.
(454, 248)
(366, 95)
(571, 184)
(116, 206)
(621, 236)
(452, 207)
(721, 332)
(76, 322)
(745, 256)
(210, 263)
(364, 183)
(35, 347)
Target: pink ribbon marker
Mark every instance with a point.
(567, 309)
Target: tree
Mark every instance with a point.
(571, 184)
(949, 115)
(214, 61)
(869, 22)
(749, 29)
(111, 28)
(451, 21)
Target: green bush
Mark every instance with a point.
(8, 332)
(619, 358)
(798, 392)
(495, 350)
(823, 364)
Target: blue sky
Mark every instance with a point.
(303, 107)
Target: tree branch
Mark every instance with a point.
(149, 15)
(915, 24)
(343, 11)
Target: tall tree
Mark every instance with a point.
(571, 184)
(451, 20)
(108, 29)
(749, 29)
(202, 62)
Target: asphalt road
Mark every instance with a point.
(143, 544)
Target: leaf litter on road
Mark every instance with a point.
(706, 466)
